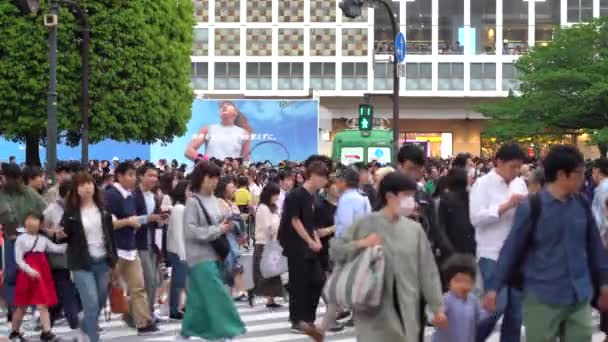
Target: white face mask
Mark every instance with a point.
(407, 205)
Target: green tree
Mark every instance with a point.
(139, 72)
(564, 88)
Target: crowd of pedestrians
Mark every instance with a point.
(465, 243)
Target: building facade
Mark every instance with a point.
(460, 53)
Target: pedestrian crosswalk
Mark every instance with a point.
(262, 324)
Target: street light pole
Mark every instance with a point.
(51, 106)
(396, 131)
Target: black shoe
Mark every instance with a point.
(273, 306)
(48, 336)
(177, 316)
(150, 329)
(241, 298)
(342, 315)
(335, 327)
(16, 337)
(350, 323)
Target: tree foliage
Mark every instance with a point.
(564, 87)
(139, 71)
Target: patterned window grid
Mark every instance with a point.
(354, 42)
(418, 76)
(354, 76)
(323, 76)
(291, 42)
(360, 19)
(227, 76)
(322, 42)
(227, 11)
(510, 77)
(200, 76)
(291, 76)
(323, 11)
(291, 11)
(451, 76)
(383, 76)
(259, 11)
(259, 76)
(259, 42)
(201, 10)
(227, 42)
(200, 46)
(483, 76)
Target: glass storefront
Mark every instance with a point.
(483, 27)
(515, 27)
(451, 27)
(419, 32)
(547, 20)
(436, 145)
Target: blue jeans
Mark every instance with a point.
(178, 281)
(10, 267)
(508, 305)
(92, 287)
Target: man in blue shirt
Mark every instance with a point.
(563, 256)
(352, 203)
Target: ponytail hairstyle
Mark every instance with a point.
(240, 120)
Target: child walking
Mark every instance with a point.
(34, 278)
(463, 308)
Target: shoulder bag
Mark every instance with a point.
(221, 246)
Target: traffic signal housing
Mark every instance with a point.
(366, 118)
(351, 8)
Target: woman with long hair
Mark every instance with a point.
(454, 212)
(91, 251)
(211, 313)
(267, 220)
(234, 270)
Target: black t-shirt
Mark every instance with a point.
(298, 203)
(324, 217)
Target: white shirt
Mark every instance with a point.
(225, 141)
(266, 225)
(281, 200)
(487, 195)
(93, 230)
(24, 244)
(124, 254)
(175, 232)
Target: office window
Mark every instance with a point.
(383, 76)
(201, 10)
(515, 27)
(383, 30)
(451, 27)
(259, 11)
(227, 42)
(418, 76)
(483, 27)
(419, 31)
(200, 45)
(510, 77)
(227, 76)
(354, 76)
(291, 11)
(227, 11)
(580, 10)
(323, 76)
(547, 20)
(483, 76)
(451, 76)
(200, 76)
(603, 8)
(259, 76)
(291, 76)
(323, 11)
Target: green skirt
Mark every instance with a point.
(211, 313)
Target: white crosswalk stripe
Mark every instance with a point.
(262, 324)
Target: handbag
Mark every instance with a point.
(273, 263)
(221, 246)
(358, 284)
(119, 302)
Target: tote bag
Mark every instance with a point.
(119, 302)
(358, 284)
(273, 262)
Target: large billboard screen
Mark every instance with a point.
(255, 130)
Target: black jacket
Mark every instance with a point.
(455, 220)
(78, 247)
(428, 219)
(145, 234)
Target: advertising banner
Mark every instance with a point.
(255, 130)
